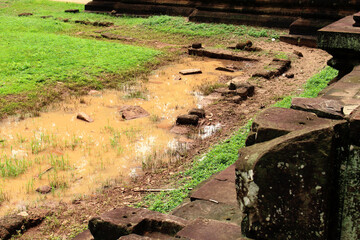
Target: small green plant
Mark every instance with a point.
(12, 167)
(155, 118)
(282, 56)
(137, 94)
(208, 88)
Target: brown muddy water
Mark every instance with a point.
(77, 158)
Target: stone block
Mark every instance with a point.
(205, 229)
(275, 122)
(187, 119)
(287, 186)
(210, 210)
(274, 69)
(198, 112)
(321, 107)
(124, 221)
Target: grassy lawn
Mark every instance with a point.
(42, 58)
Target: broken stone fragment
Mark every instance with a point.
(196, 45)
(275, 122)
(225, 69)
(190, 71)
(286, 185)
(187, 119)
(325, 108)
(274, 69)
(124, 221)
(72, 11)
(289, 75)
(299, 54)
(132, 112)
(15, 223)
(202, 229)
(44, 189)
(177, 78)
(83, 116)
(241, 46)
(25, 14)
(198, 112)
(237, 83)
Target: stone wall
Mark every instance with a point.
(299, 177)
(278, 13)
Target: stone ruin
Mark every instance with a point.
(280, 13)
(297, 178)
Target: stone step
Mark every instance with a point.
(300, 40)
(206, 229)
(219, 189)
(209, 210)
(275, 122)
(308, 26)
(124, 221)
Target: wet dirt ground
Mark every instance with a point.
(76, 157)
(166, 98)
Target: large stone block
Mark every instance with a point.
(287, 187)
(275, 122)
(124, 221)
(321, 107)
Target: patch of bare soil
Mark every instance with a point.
(68, 218)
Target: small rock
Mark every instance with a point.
(225, 69)
(190, 71)
(66, 20)
(187, 120)
(50, 16)
(72, 10)
(248, 43)
(25, 14)
(198, 112)
(132, 112)
(196, 45)
(84, 117)
(44, 189)
(289, 75)
(299, 54)
(177, 78)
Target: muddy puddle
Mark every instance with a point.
(76, 157)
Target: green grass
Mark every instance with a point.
(38, 53)
(225, 153)
(180, 25)
(312, 87)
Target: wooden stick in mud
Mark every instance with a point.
(47, 170)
